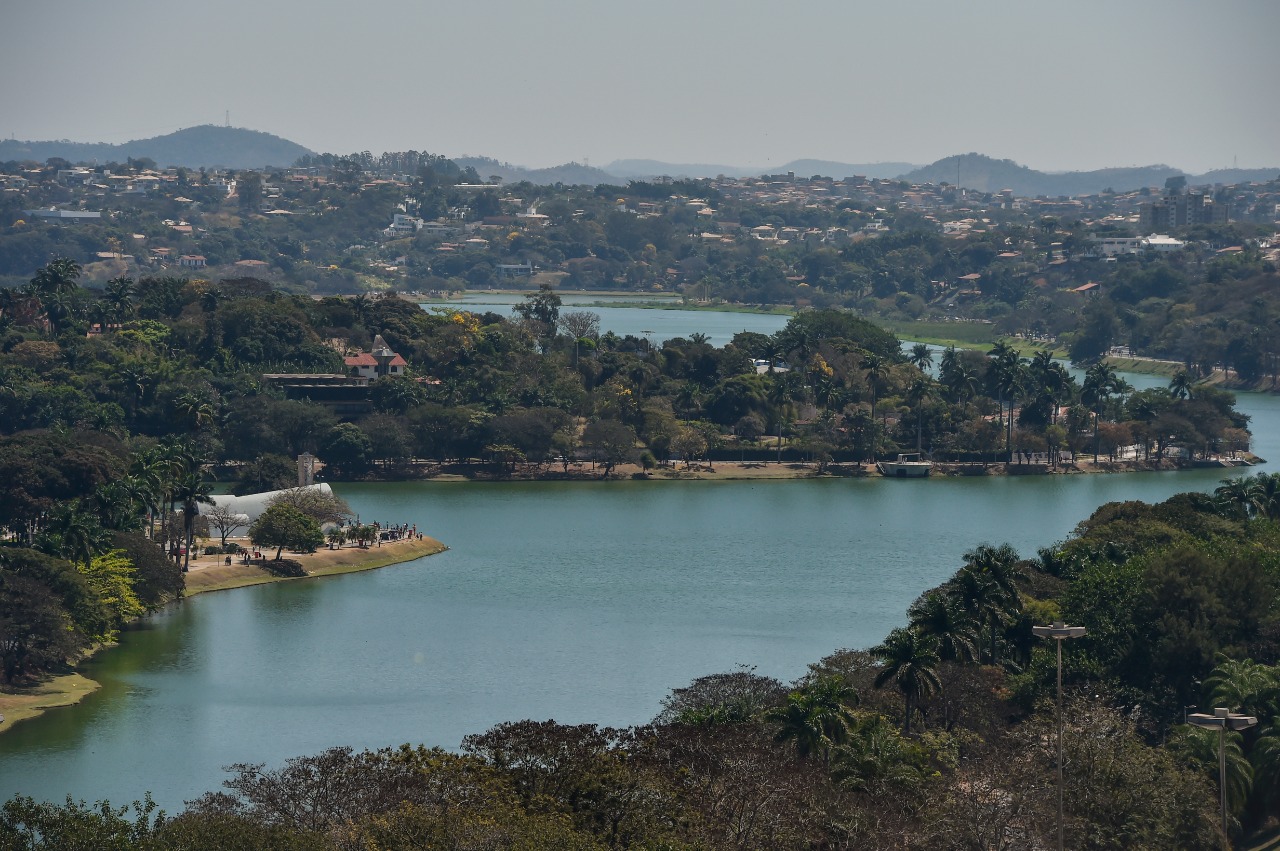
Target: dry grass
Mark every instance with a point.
(18, 704)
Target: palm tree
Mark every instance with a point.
(990, 577)
(816, 717)
(119, 295)
(921, 356)
(909, 660)
(196, 408)
(943, 616)
(60, 275)
(75, 534)
(1180, 385)
(876, 757)
(877, 369)
(192, 491)
(963, 382)
(1200, 747)
(1243, 683)
(1264, 495)
(1235, 497)
(1100, 383)
(920, 392)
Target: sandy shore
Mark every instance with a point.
(211, 573)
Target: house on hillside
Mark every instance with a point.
(379, 362)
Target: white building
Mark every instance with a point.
(1162, 244)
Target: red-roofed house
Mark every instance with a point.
(377, 363)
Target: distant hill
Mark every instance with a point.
(826, 168)
(570, 174)
(641, 169)
(208, 145)
(986, 174)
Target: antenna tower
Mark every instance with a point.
(227, 118)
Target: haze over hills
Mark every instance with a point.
(207, 145)
(234, 147)
(986, 174)
(568, 174)
(640, 169)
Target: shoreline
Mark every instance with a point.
(20, 704)
(798, 470)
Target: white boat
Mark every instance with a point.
(909, 465)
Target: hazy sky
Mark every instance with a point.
(1055, 86)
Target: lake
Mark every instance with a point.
(620, 315)
(582, 602)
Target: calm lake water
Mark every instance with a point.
(622, 318)
(581, 602)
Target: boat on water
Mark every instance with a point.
(910, 465)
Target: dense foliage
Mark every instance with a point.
(938, 737)
(898, 250)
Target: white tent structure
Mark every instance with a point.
(251, 505)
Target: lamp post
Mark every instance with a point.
(1222, 720)
(1059, 632)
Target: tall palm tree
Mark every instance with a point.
(909, 659)
(921, 356)
(877, 370)
(1235, 497)
(946, 366)
(1100, 383)
(191, 491)
(196, 408)
(1200, 747)
(963, 381)
(1180, 385)
(1243, 683)
(119, 295)
(943, 616)
(60, 275)
(999, 567)
(1264, 495)
(920, 392)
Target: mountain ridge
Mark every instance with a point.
(205, 145)
(235, 147)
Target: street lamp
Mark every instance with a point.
(1059, 632)
(1222, 720)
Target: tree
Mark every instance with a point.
(580, 325)
(283, 526)
(321, 505)
(111, 576)
(192, 491)
(816, 718)
(722, 698)
(942, 615)
(610, 443)
(346, 448)
(225, 521)
(921, 356)
(1100, 383)
(541, 310)
(267, 472)
(909, 660)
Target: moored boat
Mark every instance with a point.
(910, 465)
